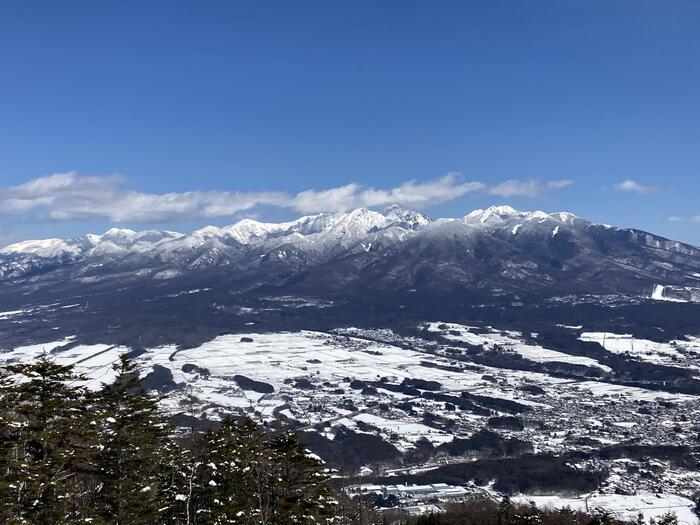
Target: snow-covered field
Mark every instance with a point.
(408, 431)
(95, 361)
(624, 507)
(307, 377)
(510, 341)
(280, 359)
(324, 362)
(672, 353)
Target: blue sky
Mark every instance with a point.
(179, 114)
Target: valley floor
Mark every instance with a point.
(421, 393)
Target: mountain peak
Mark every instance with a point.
(41, 247)
(119, 232)
(410, 218)
(502, 210)
(247, 230)
(491, 214)
(565, 217)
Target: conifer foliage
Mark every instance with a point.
(48, 443)
(256, 478)
(134, 451)
(111, 457)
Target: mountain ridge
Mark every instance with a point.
(494, 250)
(246, 229)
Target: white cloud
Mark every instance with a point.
(335, 199)
(69, 196)
(527, 188)
(411, 193)
(633, 186)
(420, 194)
(558, 184)
(676, 218)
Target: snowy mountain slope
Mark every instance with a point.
(115, 240)
(503, 251)
(498, 250)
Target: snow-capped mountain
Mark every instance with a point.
(115, 240)
(498, 250)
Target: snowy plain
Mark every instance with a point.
(324, 364)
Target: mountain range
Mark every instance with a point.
(494, 251)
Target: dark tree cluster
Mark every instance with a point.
(68, 455)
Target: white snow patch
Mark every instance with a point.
(11, 313)
(660, 353)
(166, 274)
(658, 295)
(511, 341)
(41, 248)
(408, 432)
(95, 361)
(624, 507)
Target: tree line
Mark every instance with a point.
(68, 455)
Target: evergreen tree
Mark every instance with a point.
(669, 518)
(602, 517)
(429, 519)
(505, 512)
(49, 441)
(639, 520)
(134, 454)
(298, 483)
(8, 443)
(237, 474)
(189, 474)
(566, 514)
(178, 487)
(258, 478)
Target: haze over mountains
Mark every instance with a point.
(498, 251)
